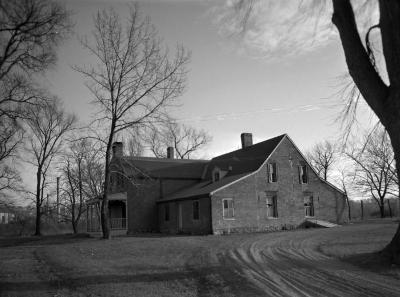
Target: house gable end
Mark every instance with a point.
(254, 172)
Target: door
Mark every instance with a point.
(180, 219)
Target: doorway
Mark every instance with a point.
(180, 218)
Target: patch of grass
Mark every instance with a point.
(362, 246)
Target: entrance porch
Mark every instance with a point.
(117, 210)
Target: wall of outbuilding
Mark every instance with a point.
(189, 224)
(142, 196)
(250, 205)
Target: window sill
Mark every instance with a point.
(309, 217)
(229, 219)
(272, 218)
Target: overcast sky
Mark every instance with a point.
(285, 87)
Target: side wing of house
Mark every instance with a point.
(282, 194)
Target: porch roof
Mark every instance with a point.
(201, 189)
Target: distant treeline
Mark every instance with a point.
(369, 209)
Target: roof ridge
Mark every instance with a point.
(164, 159)
(252, 146)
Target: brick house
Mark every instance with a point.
(265, 186)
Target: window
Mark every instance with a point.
(303, 177)
(166, 212)
(272, 173)
(228, 211)
(120, 180)
(216, 176)
(272, 206)
(309, 206)
(196, 210)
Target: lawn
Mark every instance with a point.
(262, 264)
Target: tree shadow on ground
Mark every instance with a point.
(42, 240)
(376, 262)
(205, 282)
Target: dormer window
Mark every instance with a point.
(217, 174)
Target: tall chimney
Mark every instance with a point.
(170, 152)
(117, 149)
(247, 139)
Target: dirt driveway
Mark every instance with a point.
(317, 262)
(298, 264)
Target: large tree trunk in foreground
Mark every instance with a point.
(384, 100)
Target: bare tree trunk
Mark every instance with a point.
(74, 227)
(390, 208)
(105, 222)
(348, 207)
(74, 221)
(38, 203)
(382, 209)
(384, 100)
(393, 248)
(362, 210)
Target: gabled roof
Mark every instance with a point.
(161, 168)
(202, 189)
(244, 160)
(312, 168)
(238, 164)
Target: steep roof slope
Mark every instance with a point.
(244, 160)
(238, 164)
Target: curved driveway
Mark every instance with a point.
(293, 264)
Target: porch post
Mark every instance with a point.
(126, 214)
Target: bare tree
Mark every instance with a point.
(133, 80)
(345, 179)
(93, 174)
(48, 124)
(73, 169)
(82, 178)
(135, 145)
(374, 173)
(322, 157)
(30, 31)
(10, 137)
(185, 140)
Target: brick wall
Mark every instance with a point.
(142, 197)
(250, 206)
(188, 225)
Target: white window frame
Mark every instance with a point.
(223, 208)
(271, 171)
(302, 173)
(272, 206)
(309, 206)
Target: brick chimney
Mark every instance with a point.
(170, 152)
(247, 139)
(117, 149)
